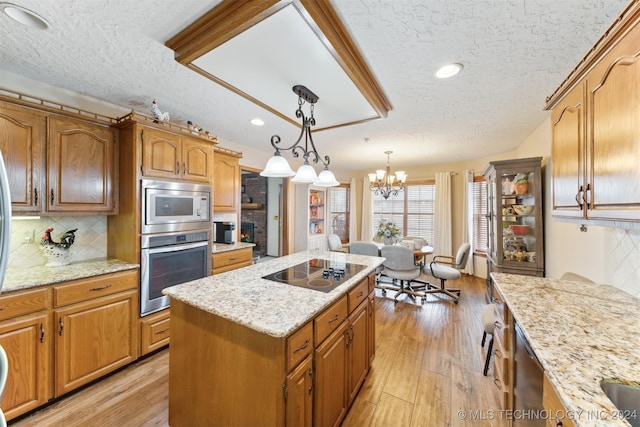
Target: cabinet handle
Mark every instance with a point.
(162, 331)
(346, 334)
(360, 294)
(334, 318)
(52, 196)
(497, 325)
(177, 168)
(184, 168)
(99, 288)
(579, 197)
(352, 333)
(310, 372)
(558, 422)
(233, 258)
(303, 346)
(61, 326)
(586, 198)
(41, 332)
(35, 196)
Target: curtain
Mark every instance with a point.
(353, 234)
(467, 217)
(365, 221)
(442, 243)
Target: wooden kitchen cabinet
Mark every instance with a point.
(27, 338)
(230, 260)
(81, 167)
(22, 145)
(154, 331)
(226, 180)
(595, 125)
(97, 332)
(299, 395)
(552, 404)
(174, 156)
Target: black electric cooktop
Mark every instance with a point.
(317, 274)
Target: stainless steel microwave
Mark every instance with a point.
(169, 206)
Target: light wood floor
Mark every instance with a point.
(427, 372)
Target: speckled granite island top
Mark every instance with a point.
(226, 247)
(25, 278)
(272, 308)
(582, 333)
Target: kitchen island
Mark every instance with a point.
(242, 346)
(581, 333)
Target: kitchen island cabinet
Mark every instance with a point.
(581, 333)
(233, 358)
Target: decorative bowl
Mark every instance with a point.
(523, 209)
(519, 230)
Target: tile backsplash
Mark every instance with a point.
(622, 260)
(90, 241)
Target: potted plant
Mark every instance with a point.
(388, 233)
(521, 183)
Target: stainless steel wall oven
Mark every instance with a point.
(169, 259)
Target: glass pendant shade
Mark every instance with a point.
(305, 175)
(326, 178)
(277, 167)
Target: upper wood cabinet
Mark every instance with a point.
(173, 156)
(596, 128)
(22, 143)
(226, 181)
(81, 167)
(58, 164)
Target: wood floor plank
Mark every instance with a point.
(428, 366)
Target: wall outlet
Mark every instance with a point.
(29, 236)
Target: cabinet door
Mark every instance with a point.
(358, 351)
(299, 406)
(567, 155)
(330, 397)
(197, 160)
(80, 162)
(26, 340)
(371, 331)
(93, 338)
(21, 143)
(226, 179)
(614, 91)
(160, 154)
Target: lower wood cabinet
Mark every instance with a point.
(27, 340)
(94, 338)
(154, 331)
(62, 336)
(299, 395)
(553, 405)
(230, 260)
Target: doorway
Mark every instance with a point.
(262, 213)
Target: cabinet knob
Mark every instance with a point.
(35, 196)
(52, 196)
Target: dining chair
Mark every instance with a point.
(335, 244)
(445, 267)
(400, 265)
(370, 249)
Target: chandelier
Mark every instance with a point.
(385, 184)
(278, 167)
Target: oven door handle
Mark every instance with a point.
(176, 248)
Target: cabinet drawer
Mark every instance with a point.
(500, 383)
(299, 346)
(372, 282)
(330, 319)
(224, 259)
(93, 287)
(23, 302)
(358, 294)
(154, 331)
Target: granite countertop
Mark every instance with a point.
(269, 307)
(18, 278)
(225, 247)
(582, 333)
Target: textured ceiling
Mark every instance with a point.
(515, 53)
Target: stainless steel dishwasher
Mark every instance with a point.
(527, 385)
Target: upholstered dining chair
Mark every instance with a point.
(335, 244)
(443, 268)
(369, 249)
(400, 265)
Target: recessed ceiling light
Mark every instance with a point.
(257, 122)
(24, 16)
(448, 70)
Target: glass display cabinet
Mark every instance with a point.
(515, 218)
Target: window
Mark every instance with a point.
(340, 211)
(479, 204)
(412, 210)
